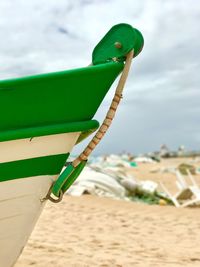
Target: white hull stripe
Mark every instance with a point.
(37, 147)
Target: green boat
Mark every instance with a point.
(42, 118)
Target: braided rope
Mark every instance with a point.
(110, 114)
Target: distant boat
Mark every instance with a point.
(42, 118)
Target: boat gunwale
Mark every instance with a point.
(55, 74)
(85, 127)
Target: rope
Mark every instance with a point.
(110, 114)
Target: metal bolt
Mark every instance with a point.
(118, 45)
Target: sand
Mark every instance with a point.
(96, 231)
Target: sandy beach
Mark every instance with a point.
(98, 231)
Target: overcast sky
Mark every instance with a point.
(161, 101)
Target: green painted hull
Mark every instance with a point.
(49, 165)
(50, 100)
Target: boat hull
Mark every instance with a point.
(21, 198)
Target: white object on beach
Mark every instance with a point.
(187, 195)
(144, 160)
(148, 186)
(130, 184)
(95, 182)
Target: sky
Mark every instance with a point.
(162, 95)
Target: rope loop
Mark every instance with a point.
(110, 114)
(53, 199)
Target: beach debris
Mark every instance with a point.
(187, 194)
(171, 169)
(195, 160)
(181, 150)
(155, 157)
(148, 187)
(164, 151)
(96, 183)
(144, 160)
(183, 167)
(115, 182)
(124, 160)
(163, 202)
(112, 176)
(130, 185)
